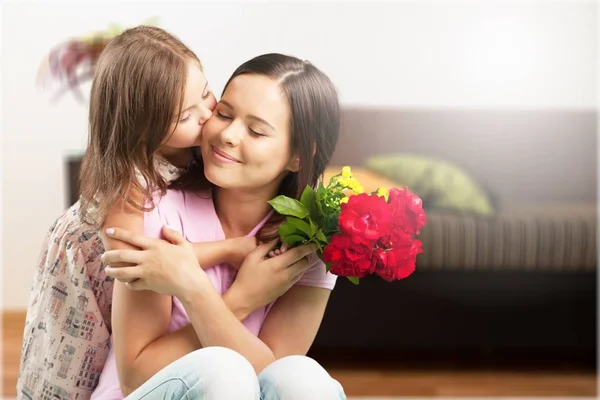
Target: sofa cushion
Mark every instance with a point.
(440, 184)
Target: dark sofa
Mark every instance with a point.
(519, 284)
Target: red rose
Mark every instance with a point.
(397, 262)
(407, 211)
(397, 238)
(366, 218)
(347, 257)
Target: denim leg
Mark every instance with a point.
(298, 378)
(211, 373)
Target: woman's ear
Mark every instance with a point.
(294, 165)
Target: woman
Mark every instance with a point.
(273, 132)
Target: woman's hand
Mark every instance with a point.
(166, 267)
(261, 280)
(240, 248)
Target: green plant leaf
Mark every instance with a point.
(330, 225)
(321, 236)
(313, 227)
(294, 239)
(300, 226)
(287, 206)
(321, 191)
(286, 229)
(353, 279)
(310, 202)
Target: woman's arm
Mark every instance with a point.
(293, 322)
(165, 268)
(156, 266)
(141, 319)
(300, 310)
(290, 328)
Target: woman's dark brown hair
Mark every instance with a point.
(136, 96)
(314, 125)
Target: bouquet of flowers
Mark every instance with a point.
(356, 233)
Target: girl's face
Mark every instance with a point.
(198, 105)
(246, 142)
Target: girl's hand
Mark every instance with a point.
(280, 250)
(239, 250)
(261, 280)
(166, 267)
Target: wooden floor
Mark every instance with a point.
(378, 381)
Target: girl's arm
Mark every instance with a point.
(146, 313)
(214, 323)
(290, 327)
(141, 317)
(232, 251)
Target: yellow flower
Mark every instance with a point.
(358, 189)
(348, 182)
(346, 172)
(383, 192)
(344, 200)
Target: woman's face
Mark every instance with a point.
(246, 142)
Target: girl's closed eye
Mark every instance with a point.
(222, 116)
(185, 117)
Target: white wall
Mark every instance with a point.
(410, 54)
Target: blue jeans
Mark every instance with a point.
(217, 373)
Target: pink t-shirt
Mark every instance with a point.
(194, 216)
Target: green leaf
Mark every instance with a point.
(330, 225)
(286, 229)
(313, 227)
(321, 236)
(294, 239)
(309, 201)
(287, 206)
(327, 266)
(321, 191)
(300, 225)
(353, 279)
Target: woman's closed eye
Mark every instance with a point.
(254, 133)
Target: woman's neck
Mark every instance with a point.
(239, 211)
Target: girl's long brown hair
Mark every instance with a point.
(136, 96)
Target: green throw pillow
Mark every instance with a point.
(440, 184)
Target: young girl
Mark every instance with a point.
(148, 103)
(184, 333)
